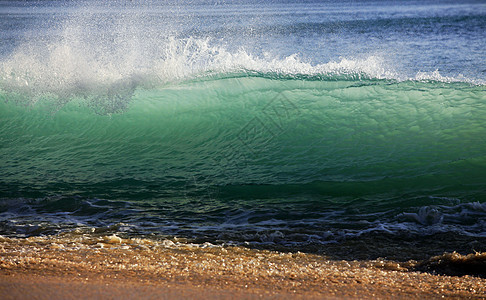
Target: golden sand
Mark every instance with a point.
(88, 262)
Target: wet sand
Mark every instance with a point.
(82, 267)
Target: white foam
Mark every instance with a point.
(436, 76)
(92, 55)
(68, 66)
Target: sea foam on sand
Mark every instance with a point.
(111, 260)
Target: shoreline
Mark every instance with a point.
(99, 267)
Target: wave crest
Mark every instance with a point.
(71, 68)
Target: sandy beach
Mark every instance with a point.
(87, 267)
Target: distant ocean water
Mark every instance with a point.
(278, 124)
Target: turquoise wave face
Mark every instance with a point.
(245, 158)
(251, 130)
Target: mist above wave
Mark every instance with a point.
(101, 53)
(71, 68)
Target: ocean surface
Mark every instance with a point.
(295, 125)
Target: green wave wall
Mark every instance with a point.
(250, 137)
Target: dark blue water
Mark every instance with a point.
(294, 124)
